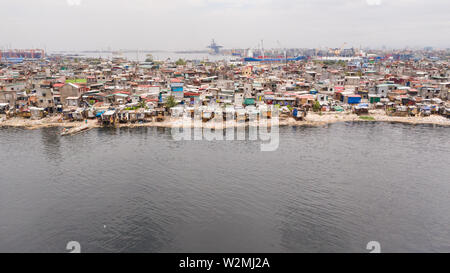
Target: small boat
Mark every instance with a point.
(74, 130)
(64, 131)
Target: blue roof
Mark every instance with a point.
(99, 113)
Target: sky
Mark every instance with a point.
(191, 24)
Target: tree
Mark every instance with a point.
(170, 102)
(149, 58)
(143, 104)
(316, 106)
(180, 62)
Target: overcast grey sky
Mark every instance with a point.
(191, 24)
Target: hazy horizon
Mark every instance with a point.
(76, 25)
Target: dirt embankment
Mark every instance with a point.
(312, 119)
(53, 121)
(375, 115)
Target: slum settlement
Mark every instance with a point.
(374, 85)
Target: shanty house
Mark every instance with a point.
(70, 90)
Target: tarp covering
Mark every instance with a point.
(99, 113)
(362, 105)
(109, 113)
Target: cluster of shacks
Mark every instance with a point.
(117, 90)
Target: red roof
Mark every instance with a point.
(57, 85)
(191, 94)
(147, 86)
(305, 97)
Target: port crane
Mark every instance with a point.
(214, 47)
(337, 51)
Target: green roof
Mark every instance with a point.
(76, 81)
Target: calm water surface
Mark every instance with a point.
(326, 189)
